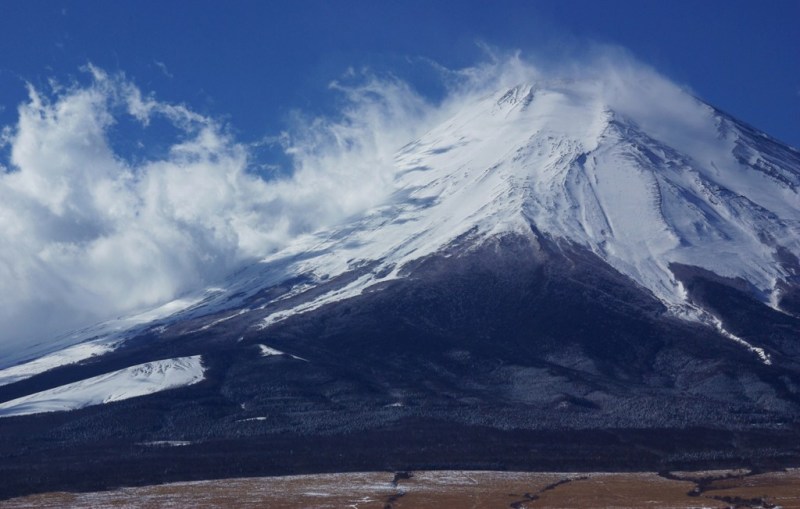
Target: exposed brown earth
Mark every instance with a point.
(433, 490)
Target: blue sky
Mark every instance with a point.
(252, 62)
(141, 141)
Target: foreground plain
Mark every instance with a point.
(434, 489)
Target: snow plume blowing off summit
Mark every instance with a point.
(89, 234)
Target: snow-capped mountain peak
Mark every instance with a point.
(548, 260)
(564, 163)
(575, 170)
(556, 160)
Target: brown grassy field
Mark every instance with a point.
(453, 489)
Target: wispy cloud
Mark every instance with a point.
(163, 68)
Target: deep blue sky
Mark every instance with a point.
(253, 61)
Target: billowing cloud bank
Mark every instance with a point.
(88, 234)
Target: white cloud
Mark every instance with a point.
(87, 235)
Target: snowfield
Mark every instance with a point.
(131, 382)
(64, 357)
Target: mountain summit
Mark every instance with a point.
(553, 164)
(553, 274)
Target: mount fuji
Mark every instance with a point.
(555, 283)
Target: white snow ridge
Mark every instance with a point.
(130, 382)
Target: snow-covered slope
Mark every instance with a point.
(77, 345)
(71, 355)
(555, 159)
(131, 382)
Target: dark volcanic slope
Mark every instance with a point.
(515, 354)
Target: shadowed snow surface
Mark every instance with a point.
(131, 382)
